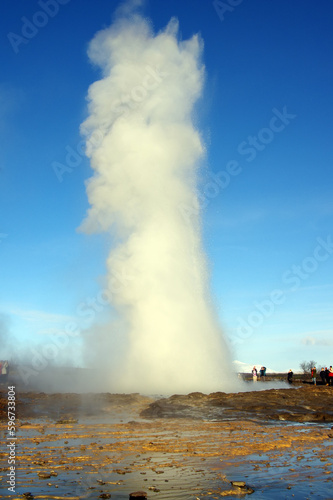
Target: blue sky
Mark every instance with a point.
(266, 183)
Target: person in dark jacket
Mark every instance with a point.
(327, 375)
(290, 376)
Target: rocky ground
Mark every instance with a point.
(268, 444)
(304, 404)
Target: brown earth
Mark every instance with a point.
(184, 447)
(304, 404)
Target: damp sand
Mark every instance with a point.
(72, 446)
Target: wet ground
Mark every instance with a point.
(306, 403)
(277, 442)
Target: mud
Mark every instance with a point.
(183, 447)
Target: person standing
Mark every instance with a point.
(327, 372)
(314, 375)
(323, 376)
(254, 374)
(330, 375)
(290, 376)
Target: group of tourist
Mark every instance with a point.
(262, 373)
(326, 375)
(4, 369)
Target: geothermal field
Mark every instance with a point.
(269, 444)
(150, 407)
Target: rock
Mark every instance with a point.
(240, 484)
(28, 495)
(141, 495)
(44, 475)
(105, 495)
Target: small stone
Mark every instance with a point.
(44, 475)
(105, 495)
(239, 484)
(140, 495)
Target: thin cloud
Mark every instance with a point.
(320, 341)
(34, 316)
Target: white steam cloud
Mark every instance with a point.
(145, 152)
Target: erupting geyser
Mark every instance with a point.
(145, 150)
